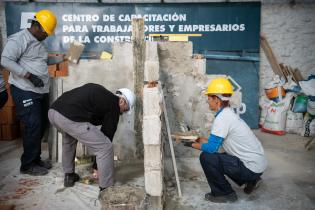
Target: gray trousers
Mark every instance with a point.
(90, 136)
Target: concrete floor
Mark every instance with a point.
(288, 183)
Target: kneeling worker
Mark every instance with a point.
(244, 160)
(76, 113)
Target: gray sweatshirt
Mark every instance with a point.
(24, 53)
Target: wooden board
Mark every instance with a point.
(270, 56)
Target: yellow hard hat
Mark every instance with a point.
(219, 86)
(47, 20)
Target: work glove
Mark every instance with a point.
(35, 80)
(187, 143)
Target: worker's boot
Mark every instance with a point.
(252, 185)
(70, 179)
(35, 170)
(230, 198)
(44, 163)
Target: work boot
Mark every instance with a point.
(230, 198)
(35, 170)
(70, 179)
(252, 185)
(45, 164)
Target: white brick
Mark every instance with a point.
(151, 101)
(151, 70)
(152, 157)
(151, 52)
(151, 130)
(153, 182)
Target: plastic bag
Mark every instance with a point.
(291, 86)
(308, 86)
(311, 107)
(294, 122)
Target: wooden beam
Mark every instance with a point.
(138, 48)
(270, 56)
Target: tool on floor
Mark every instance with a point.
(170, 142)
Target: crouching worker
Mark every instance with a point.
(244, 160)
(76, 114)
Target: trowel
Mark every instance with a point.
(187, 136)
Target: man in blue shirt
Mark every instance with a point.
(243, 161)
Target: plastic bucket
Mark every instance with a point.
(300, 104)
(274, 93)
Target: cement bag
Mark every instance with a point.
(308, 128)
(276, 117)
(311, 107)
(264, 104)
(294, 122)
(300, 104)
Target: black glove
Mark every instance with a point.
(187, 143)
(35, 80)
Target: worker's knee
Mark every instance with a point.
(105, 150)
(208, 158)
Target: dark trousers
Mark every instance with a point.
(216, 165)
(3, 98)
(32, 110)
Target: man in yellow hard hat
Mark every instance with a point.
(25, 56)
(243, 161)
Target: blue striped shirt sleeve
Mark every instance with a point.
(213, 145)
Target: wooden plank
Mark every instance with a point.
(284, 71)
(138, 48)
(170, 143)
(297, 74)
(292, 73)
(270, 56)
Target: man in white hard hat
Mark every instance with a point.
(76, 114)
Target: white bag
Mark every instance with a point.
(294, 122)
(308, 87)
(264, 104)
(276, 116)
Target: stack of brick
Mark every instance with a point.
(58, 69)
(9, 125)
(153, 148)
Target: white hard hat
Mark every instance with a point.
(128, 95)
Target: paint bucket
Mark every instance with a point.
(300, 104)
(276, 93)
